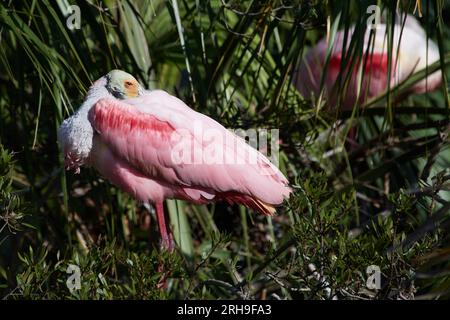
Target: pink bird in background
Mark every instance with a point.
(411, 52)
(154, 147)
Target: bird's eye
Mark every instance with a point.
(128, 84)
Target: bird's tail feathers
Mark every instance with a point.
(264, 208)
(248, 201)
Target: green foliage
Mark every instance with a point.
(107, 272)
(383, 201)
(332, 253)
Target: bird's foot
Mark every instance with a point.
(167, 244)
(162, 282)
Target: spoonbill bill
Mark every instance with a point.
(411, 52)
(154, 147)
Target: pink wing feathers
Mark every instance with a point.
(412, 51)
(307, 78)
(148, 131)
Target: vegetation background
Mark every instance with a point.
(385, 203)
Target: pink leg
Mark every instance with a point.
(166, 236)
(166, 242)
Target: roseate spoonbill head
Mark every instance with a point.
(122, 85)
(133, 138)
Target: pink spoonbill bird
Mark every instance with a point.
(154, 147)
(411, 52)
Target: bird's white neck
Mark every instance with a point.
(76, 133)
(94, 94)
